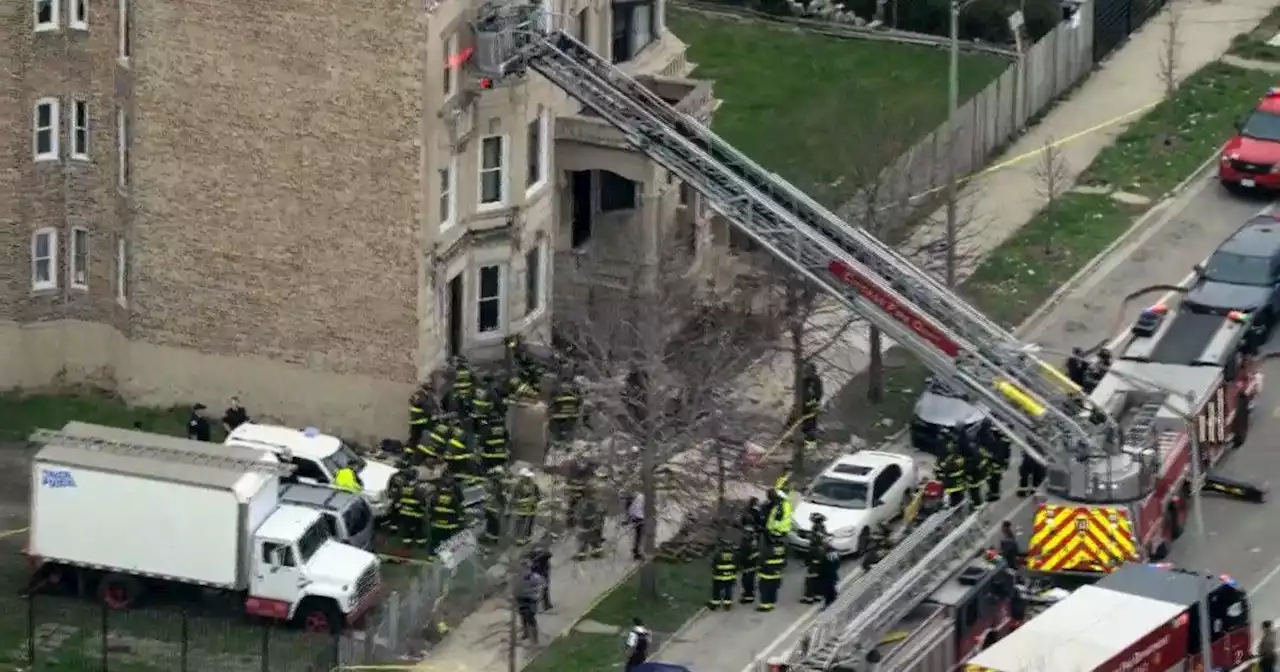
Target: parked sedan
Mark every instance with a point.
(857, 492)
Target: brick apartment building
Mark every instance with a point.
(299, 201)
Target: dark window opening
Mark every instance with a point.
(634, 28)
(616, 192)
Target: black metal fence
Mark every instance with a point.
(68, 635)
(1115, 20)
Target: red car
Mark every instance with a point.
(1251, 159)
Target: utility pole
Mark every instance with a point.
(953, 106)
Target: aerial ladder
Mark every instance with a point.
(1030, 400)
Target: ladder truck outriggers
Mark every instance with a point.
(1030, 400)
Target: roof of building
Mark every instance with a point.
(157, 456)
(1080, 633)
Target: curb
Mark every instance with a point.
(1146, 221)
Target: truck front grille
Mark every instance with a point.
(367, 583)
(1251, 168)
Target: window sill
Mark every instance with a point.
(124, 62)
(45, 28)
(496, 206)
(122, 302)
(38, 290)
(81, 26)
(488, 337)
(79, 288)
(45, 158)
(82, 158)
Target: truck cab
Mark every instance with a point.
(316, 457)
(297, 572)
(348, 515)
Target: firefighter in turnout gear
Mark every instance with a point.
(495, 504)
(483, 403)
(522, 371)
(1030, 475)
(579, 478)
(724, 573)
(828, 575)
(1077, 366)
(492, 442)
(403, 478)
(812, 568)
(810, 406)
(458, 457)
(525, 496)
(748, 560)
(590, 523)
(436, 444)
(978, 469)
(951, 471)
(462, 388)
(772, 563)
(1000, 449)
(444, 512)
(566, 409)
(419, 416)
(413, 514)
(880, 543)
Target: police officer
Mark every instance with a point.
(412, 504)
(772, 563)
(811, 407)
(234, 416)
(576, 483)
(566, 408)
(445, 513)
(978, 468)
(419, 417)
(1077, 366)
(525, 496)
(748, 560)
(1000, 449)
(951, 471)
(829, 575)
(495, 505)
(724, 573)
(492, 440)
(590, 523)
(197, 425)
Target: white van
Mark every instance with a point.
(317, 457)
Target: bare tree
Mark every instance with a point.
(1054, 176)
(1170, 49)
(660, 348)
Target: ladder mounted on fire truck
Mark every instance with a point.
(1030, 400)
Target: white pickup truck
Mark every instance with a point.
(118, 513)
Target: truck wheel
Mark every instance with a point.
(1241, 422)
(120, 591)
(319, 615)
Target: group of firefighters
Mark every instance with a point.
(462, 435)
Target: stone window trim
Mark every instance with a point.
(491, 170)
(538, 152)
(491, 296)
(79, 19)
(122, 271)
(450, 74)
(45, 130)
(124, 132)
(124, 37)
(536, 268)
(44, 15)
(78, 259)
(80, 130)
(448, 186)
(44, 260)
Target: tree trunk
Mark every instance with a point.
(875, 367)
(797, 395)
(648, 485)
(720, 479)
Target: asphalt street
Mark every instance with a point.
(1238, 543)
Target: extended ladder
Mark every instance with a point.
(1027, 397)
(197, 458)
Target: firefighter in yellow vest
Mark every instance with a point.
(444, 512)
(724, 573)
(778, 523)
(951, 471)
(346, 479)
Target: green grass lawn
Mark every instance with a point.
(1253, 44)
(812, 107)
(683, 590)
(1153, 155)
(1159, 150)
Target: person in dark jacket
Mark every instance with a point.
(540, 563)
(1267, 648)
(1077, 366)
(638, 640)
(829, 575)
(529, 592)
(234, 416)
(1009, 548)
(197, 425)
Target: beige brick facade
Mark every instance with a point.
(276, 196)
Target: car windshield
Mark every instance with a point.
(839, 493)
(1238, 269)
(344, 457)
(1262, 125)
(313, 538)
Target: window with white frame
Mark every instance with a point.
(493, 159)
(123, 138)
(537, 151)
(44, 141)
(80, 130)
(44, 259)
(450, 67)
(533, 273)
(448, 177)
(79, 14)
(79, 270)
(489, 299)
(124, 28)
(122, 270)
(45, 15)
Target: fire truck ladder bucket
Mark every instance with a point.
(1230, 487)
(1024, 394)
(157, 452)
(861, 620)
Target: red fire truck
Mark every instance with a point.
(1140, 618)
(1106, 510)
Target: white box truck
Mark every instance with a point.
(116, 513)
